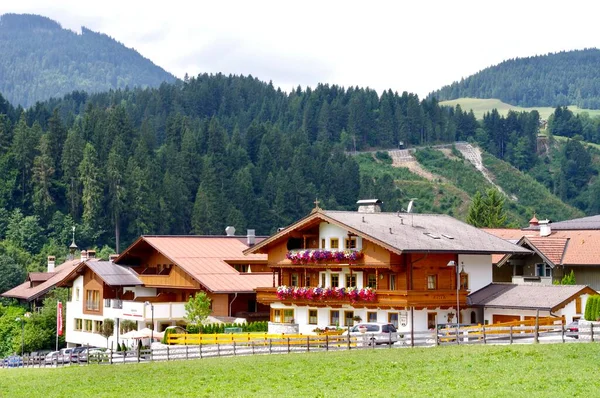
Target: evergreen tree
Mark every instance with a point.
(92, 186)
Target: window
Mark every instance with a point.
(312, 317)
(371, 317)
(372, 281)
(88, 325)
(276, 316)
(288, 316)
(464, 280)
(307, 281)
(76, 294)
(241, 267)
(92, 302)
(431, 320)
(351, 243)
(543, 270)
(323, 280)
(334, 317)
(431, 282)
(334, 243)
(348, 318)
(350, 280)
(78, 324)
(107, 303)
(322, 243)
(335, 280)
(392, 281)
(294, 280)
(393, 318)
(97, 326)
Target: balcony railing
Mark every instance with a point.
(312, 256)
(381, 298)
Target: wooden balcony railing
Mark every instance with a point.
(383, 299)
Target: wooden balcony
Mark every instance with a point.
(384, 299)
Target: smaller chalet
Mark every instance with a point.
(507, 302)
(555, 252)
(412, 270)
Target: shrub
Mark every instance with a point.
(592, 308)
(384, 157)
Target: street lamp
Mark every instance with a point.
(453, 263)
(152, 328)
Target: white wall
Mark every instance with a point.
(328, 231)
(479, 268)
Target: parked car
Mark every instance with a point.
(64, 355)
(79, 354)
(52, 356)
(376, 333)
(13, 361)
(573, 330)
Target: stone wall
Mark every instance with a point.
(285, 328)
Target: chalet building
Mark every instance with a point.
(557, 249)
(402, 268)
(151, 281)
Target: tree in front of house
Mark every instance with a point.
(197, 308)
(487, 211)
(108, 326)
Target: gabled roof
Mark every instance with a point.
(538, 296)
(207, 259)
(551, 250)
(582, 246)
(25, 292)
(406, 233)
(39, 276)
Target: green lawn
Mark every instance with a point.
(481, 106)
(552, 370)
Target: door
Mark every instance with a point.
(431, 320)
(505, 318)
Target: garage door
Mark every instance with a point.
(505, 318)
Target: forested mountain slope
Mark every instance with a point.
(39, 59)
(559, 79)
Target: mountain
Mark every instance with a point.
(555, 79)
(39, 60)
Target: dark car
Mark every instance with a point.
(573, 329)
(13, 361)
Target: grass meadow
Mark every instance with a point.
(543, 370)
(481, 106)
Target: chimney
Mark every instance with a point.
(51, 263)
(112, 258)
(533, 223)
(251, 237)
(369, 206)
(545, 229)
(230, 231)
(83, 255)
(91, 254)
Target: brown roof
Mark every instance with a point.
(542, 297)
(207, 259)
(39, 276)
(25, 292)
(582, 246)
(400, 233)
(552, 248)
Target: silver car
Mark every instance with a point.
(374, 333)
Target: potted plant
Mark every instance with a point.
(356, 319)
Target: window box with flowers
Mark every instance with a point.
(351, 294)
(315, 256)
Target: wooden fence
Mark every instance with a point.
(206, 346)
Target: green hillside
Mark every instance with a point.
(39, 60)
(559, 79)
(458, 182)
(481, 106)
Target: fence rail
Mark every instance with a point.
(206, 346)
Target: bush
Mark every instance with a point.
(384, 157)
(592, 308)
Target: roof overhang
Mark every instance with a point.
(522, 242)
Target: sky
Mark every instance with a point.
(414, 46)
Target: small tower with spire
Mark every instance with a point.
(73, 247)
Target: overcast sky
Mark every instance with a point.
(414, 46)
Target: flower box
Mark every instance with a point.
(315, 256)
(352, 294)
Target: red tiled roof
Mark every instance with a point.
(581, 247)
(206, 259)
(552, 248)
(25, 292)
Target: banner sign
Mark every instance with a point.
(59, 322)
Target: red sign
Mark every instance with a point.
(59, 323)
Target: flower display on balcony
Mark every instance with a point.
(352, 294)
(311, 256)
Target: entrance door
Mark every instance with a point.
(431, 320)
(505, 318)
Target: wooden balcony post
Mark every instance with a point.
(376, 278)
(274, 277)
